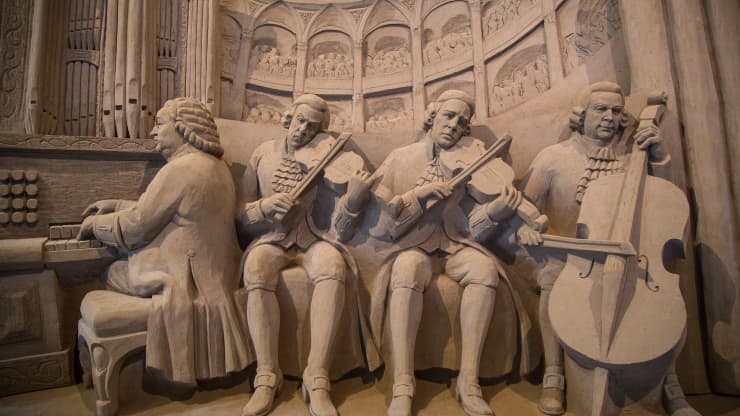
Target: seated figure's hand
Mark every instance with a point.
(505, 205)
(86, 229)
(651, 139)
(276, 206)
(432, 192)
(528, 236)
(358, 190)
(103, 206)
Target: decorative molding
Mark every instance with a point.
(15, 142)
(14, 21)
(252, 6)
(36, 372)
(305, 17)
(408, 3)
(357, 14)
(84, 55)
(21, 317)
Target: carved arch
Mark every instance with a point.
(322, 22)
(278, 14)
(397, 15)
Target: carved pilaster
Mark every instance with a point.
(239, 89)
(552, 42)
(358, 107)
(300, 71)
(417, 74)
(479, 66)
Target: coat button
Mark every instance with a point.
(190, 252)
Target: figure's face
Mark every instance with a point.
(304, 126)
(164, 133)
(603, 115)
(450, 123)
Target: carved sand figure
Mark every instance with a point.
(410, 179)
(557, 181)
(182, 250)
(285, 234)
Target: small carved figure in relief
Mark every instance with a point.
(267, 58)
(557, 181)
(524, 82)
(448, 45)
(182, 249)
(285, 233)
(443, 224)
(388, 61)
(331, 65)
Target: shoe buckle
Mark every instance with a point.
(266, 379)
(553, 381)
(320, 383)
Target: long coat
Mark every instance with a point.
(183, 252)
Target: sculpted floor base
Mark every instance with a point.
(351, 397)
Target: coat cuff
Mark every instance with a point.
(481, 225)
(107, 229)
(344, 220)
(253, 213)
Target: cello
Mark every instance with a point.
(623, 314)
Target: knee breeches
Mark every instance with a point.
(264, 263)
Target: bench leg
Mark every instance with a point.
(105, 374)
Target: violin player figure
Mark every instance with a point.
(410, 181)
(284, 234)
(556, 182)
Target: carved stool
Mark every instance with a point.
(112, 327)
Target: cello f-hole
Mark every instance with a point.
(588, 273)
(651, 287)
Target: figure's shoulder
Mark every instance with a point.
(409, 149)
(554, 154)
(266, 147)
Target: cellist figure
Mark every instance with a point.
(556, 182)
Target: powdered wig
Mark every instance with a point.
(316, 103)
(195, 124)
(578, 112)
(433, 108)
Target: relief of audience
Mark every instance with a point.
(331, 65)
(388, 60)
(525, 82)
(264, 115)
(389, 119)
(450, 44)
(505, 12)
(338, 123)
(266, 58)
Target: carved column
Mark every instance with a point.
(646, 41)
(716, 230)
(212, 88)
(300, 70)
(35, 68)
(239, 89)
(202, 60)
(552, 42)
(358, 103)
(479, 66)
(417, 76)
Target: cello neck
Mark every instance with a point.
(625, 227)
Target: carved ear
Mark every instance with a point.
(287, 118)
(576, 118)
